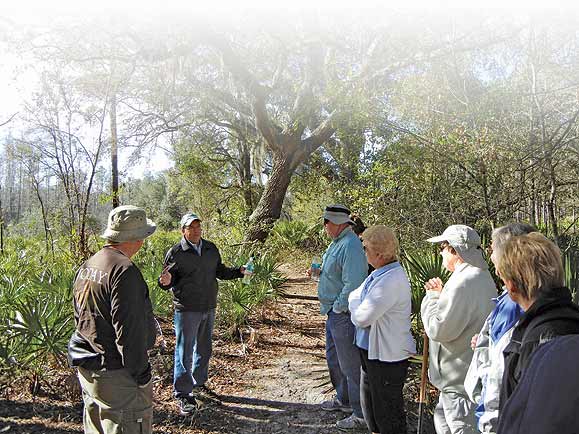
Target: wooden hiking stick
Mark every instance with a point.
(423, 383)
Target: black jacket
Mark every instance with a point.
(194, 277)
(549, 316)
(546, 399)
(113, 316)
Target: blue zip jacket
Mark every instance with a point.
(344, 268)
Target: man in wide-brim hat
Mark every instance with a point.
(114, 329)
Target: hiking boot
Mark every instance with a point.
(187, 405)
(352, 422)
(335, 405)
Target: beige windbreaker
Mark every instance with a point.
(451, 318)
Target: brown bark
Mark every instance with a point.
(270, 204)
(114, 152)
(288, 148)
(245, 177)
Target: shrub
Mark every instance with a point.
(420, 267)
(36, 318)
(297, 234)
(237, 301)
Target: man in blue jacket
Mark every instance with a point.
(344, 268)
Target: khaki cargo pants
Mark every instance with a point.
(114, 403)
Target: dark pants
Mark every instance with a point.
(381, 394)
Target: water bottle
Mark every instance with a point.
(316, 268)
(249, 267)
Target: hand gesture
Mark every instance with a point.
(473, 341)
(434, 285)
(165, 277)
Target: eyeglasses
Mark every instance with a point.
(326, 221)
(443, 246)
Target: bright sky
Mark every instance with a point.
(15, 87)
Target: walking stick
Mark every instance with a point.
(423, 384)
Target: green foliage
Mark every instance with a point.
(149, 259)
(40, 328)
(35, 306)
(571, 267)
(421, 266)
(237, 300)
(298, 234)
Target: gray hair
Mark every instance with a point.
(501, 235)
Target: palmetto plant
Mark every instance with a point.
(36, 318)
(420, 267)
(298, 234)
(40, 329)
(292, 233)
(237, 300)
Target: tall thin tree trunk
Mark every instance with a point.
(114, 151)
(19, 203)
(552, 202)
(245, 178)
(2, 223)
(47, 233)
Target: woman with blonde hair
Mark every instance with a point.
(380, 309)
(532, 270)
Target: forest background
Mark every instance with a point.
(415, 120)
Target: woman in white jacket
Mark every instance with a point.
(380, 309)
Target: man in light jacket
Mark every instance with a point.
(344, 268)
(451, 316)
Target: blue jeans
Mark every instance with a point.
(343, 359)
(193, 350)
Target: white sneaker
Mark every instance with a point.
(352, 422)
(335, 405)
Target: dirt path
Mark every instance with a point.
(272, 382)
(275, 381)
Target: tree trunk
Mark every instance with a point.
(114, 152)
(47, 234)
(552, 202)
(245, 177)
(2, 223)
(269, 206)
